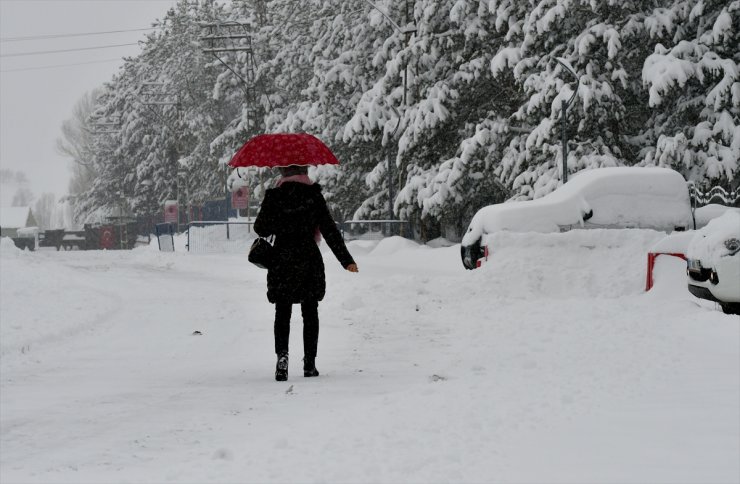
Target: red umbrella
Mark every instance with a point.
(283, 149)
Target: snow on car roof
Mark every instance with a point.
(655, 198)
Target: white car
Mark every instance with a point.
(623, 197)
(714, 262)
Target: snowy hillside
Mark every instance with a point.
(549, 364)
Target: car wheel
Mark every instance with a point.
(730, 308)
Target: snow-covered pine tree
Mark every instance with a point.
(451, 169)
(156, 141)
(462, 96)
(329, 64)
(597, 39)
(692, 75)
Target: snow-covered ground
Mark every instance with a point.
(549, 364)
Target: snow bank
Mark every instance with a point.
(675, 243)
(8, 248)
(669, 279)
(355, 247)
(218, 239)
(651, 198)
(581, 263)
(440, 242)
(393, 245)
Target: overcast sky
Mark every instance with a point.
(34, 102)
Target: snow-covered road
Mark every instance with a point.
(548, 365)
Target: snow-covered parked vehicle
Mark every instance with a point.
(619, 197)
(714, 262)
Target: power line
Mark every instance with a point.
(60, 36)
(39, 52)
(59, 65)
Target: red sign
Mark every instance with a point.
(240, 198)
(170, 211)
(106, 237)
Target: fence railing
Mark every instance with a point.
(375, 229)
(220, 237)
(223, 237)
(716, 194)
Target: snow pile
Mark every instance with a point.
(669, 278)
(8, 248)
(356, 247)
(654, 198)
(440, 242)
(708, 245)
(577, 264)
(392, 245)
(220, 238)
(675, 243)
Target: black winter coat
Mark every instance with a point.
(291, 213)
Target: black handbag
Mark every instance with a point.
(261, 253)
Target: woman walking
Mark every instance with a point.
(295, 213)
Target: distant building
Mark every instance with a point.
(13, 219)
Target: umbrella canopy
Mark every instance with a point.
(283, 149)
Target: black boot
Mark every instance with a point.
(309, 367)
(281, 368)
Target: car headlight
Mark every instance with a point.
(733, 245)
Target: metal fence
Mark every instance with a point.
(375, 229)
(231, 237)
(715, 194)
(220, 237)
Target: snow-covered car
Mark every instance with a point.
(714, 262)
(619, 197)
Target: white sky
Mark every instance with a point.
(33, 103)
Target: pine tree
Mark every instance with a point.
(693, 80)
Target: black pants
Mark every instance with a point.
(310, 312)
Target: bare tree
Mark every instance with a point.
(77, 143)
(44, 211)
(23, 197)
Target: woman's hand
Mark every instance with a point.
(352, 268)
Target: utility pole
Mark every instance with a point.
(153, 94)
(564, 116)
(231, 37)
(111, 125)
(261, 9)
(222, 39)
(407, 32)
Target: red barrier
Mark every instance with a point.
(107, 237)
(651, 264)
